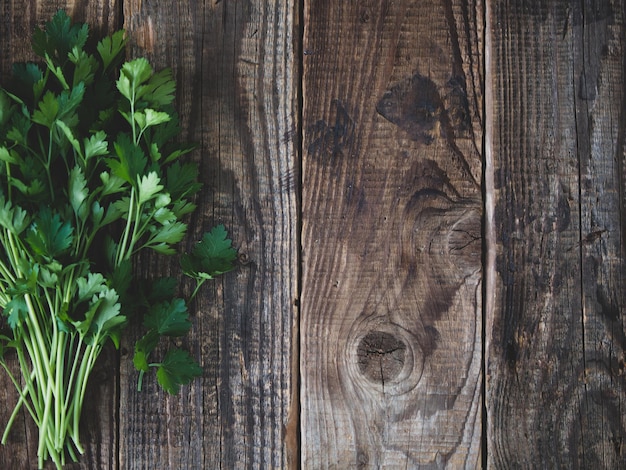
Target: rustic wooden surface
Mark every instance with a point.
(391, 315)
(556, 387)
(345, 145)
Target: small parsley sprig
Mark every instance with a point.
(91, 175)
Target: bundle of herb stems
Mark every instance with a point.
(90, 175)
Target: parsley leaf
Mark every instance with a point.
(178, 368)
(169, 318)
(149, 186)
(59, 37)
(111, 47)
(212, 256)
(49, 236)
(182, 180)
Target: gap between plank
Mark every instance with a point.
(294, 425)
(489, 232)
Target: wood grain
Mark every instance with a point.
(238, 98)
(360, 202)
(556, 388)
(391, 305)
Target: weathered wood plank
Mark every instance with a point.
(391, 304)
(238, 78)
(556, 387)
(99, 424)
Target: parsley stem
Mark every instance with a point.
(135, 235)
(47, 166)
(121, 249)
(91, 353)
(22, 401)
(199, 283)
(9, 185)
(4, 271)
(140, 380)
(132, 114)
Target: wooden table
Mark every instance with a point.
(428, 199)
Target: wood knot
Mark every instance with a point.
(381, 356)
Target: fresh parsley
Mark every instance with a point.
(90, 176)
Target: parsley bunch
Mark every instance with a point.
(90, 175)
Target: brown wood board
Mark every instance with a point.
(555, 365)
(420, 191)
(238, 98)
(391, 314)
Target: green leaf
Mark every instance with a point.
(96, 145)
(111, 184)
(149, 117)
(16, 311)
(162, 201)
(92, 284)
(178, 368)
(56, 71)
(111, 47)
(48, 109)
(162, 289)
(121, 278)
(86, 66)
(59, 36)
(149, 186)
(140, 360)
(168, 318)
(49, 275)
(12, 218)
(119, 208)
(7, 156)
(162, 248)
(102, 316)
(78, 192)
(169, 234)
(183, 207)
(133, 74)
(114, 212)
(7, 108)
(21, 127)
(69, 102)
(35, 188)
(182, 180)
(212, 256)
(28, 74)
(154, 118)
(143, 348)
(48, 235)
(160, 89)
(70, 136)
(124, 86)
(131, 160)
(97, 213)
(164, 215)
(155, 155)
